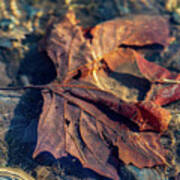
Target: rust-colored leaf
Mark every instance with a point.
(151, 116)
(139, 147)
(122, 76)
(168, 89)
(98, 102)
(71, 48)
(137, 30)
(87, 129)
(152, 71)
(51, 133)
(146, 114)
(67, 47)
(66, 128)
(163, 95)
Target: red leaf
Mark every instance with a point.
(136, 30)
(152, 71)
(88, 121)
(146, 114)
(51, 135)
(163, 95)
(63, 46)
(89, 131)
(151, 116)
(168, 89)
(139, 147)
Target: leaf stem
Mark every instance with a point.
(23, 87)
(170, 81)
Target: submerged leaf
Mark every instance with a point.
(86, 129)
(146, 114)
(168, 89)
(51, 132)
(67, 47)
(141, 148)
(137, 30)
(72, 130)
(88, 121)
(163, 95)
(71, 48)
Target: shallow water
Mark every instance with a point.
(22, 24)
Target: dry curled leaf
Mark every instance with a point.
(94, 106)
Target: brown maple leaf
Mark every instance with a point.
(87, 128)
(87, 120)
